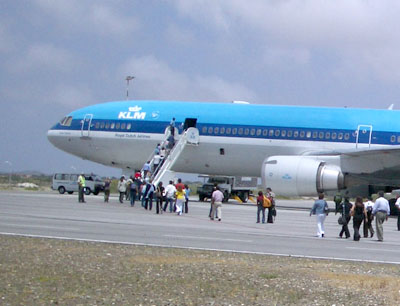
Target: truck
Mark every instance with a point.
(67, 182)
(230, 186)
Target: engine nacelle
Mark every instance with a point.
(302, 175)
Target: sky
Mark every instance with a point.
(60, 55)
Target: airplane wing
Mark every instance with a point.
(381, 166)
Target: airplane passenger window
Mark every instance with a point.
(398, 138)
(123, 126)
(107, 125)
(216, 130)
(277, 133)
(283, 133)
(117, 125)
(222, 130)
(246, 131)
(258, 132)
(112, 125)
(210, 130)
(204, 130)
(333, 135)
(392, 138)
(314, 134)
(296, 134)
(234, 131)
(308, 134)
(102, 124)
(228, 131)
(302, 134)
(340, 136)
(328, 135)
(128, 126)
(346, 136)
(290, 133)
(97, 125)
(265, 132)
(271, 133)
(240, 131)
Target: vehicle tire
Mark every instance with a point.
(96, 192)
(70, 192)
(201, 198)
(226, 196)
(61, 189)
(244, 196)
(87, 190)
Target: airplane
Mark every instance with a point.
(296, 150)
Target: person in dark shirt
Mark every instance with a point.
(344, 209)
(359, 214)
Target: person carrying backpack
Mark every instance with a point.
(271, 208)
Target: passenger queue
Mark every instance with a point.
(361, 212)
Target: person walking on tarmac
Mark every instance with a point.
(81, 185)
(260, 207)
(107, 184)
(359, 215)
(121, 189)
(368, 222)
(381, 212)
(397, 204)
(216, 202)
(320, 210)
(159, 198)
(271, 209)
(187, 194)
(344, 210)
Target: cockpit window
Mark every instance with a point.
(66, 121)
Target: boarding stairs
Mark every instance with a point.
(163, 173)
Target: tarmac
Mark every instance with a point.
(293, 234)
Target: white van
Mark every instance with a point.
(65, 182)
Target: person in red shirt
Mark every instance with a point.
(179, 185)
(260, 207)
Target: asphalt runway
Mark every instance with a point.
(293, 233)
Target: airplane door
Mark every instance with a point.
(364, 136)
(189, 122)
(86, 123)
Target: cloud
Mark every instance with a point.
(350, 31)
(6, 42)
(72, 96)
(155, 79)
(284, 57)
(94, 17)
(180, 36)
(44, 57)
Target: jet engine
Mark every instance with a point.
(302, 175)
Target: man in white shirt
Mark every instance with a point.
(169, 194)
(216, 201)
(368, 222)
(381, 211)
